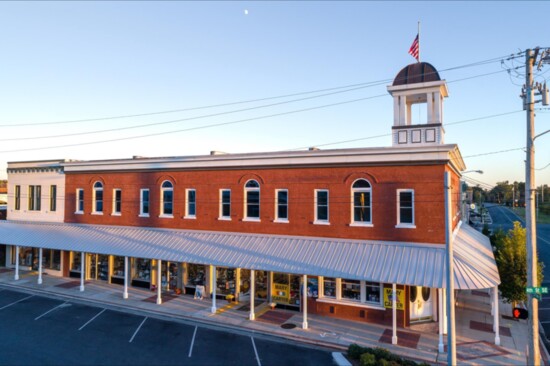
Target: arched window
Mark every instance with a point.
(252, 200)
(98, 197)
(167, 198)
(361, 202)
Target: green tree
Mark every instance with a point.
(511, 258)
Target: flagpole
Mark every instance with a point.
(418, 41)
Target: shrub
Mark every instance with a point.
(367, 359)
(355, 351)
(384, 354)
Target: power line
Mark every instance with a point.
(492, 152)
(544, 167)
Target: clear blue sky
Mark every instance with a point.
(65, 61)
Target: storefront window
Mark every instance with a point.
(118, 267)
(99, 267)
(351, 290)
(76, 263)
(329, 287)
(245, 282)
(312, 287)
(225, 280)
(51, 259)
(142, 270)
(261, 284)
(196, 274)
(286, 289)
(25, 256)
(373, 292)
(173, 275)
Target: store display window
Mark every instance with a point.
(351, 289)
(329, 287)
(196, 274)
(312, 287)
(286, 289)
(225, 280)
(118, 267)
(142, 270)
(76, 262)
(98, 267)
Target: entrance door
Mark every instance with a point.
(420, 301)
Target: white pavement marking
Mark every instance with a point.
(192, 342)
(137, 330)
(545, 322)
(13, 303)
(544, 308)
(49, 311)
(256, 351)
(89, 321)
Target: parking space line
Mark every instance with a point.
(192, 341)
(89, 321)
(13, 303)
(137, 330)
(256, 351)
(49, 311)
(545, 322)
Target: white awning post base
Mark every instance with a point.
(125, 293)
(394, 313)
(252, 316)
(159, 283)
(82, 270)
(40, 266)
(441, 316)
(496, 316)
(304, 302)
(214, 285)
(16, 276)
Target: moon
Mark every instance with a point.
(245, 11)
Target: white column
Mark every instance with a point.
(252, 294)
(40, 266)
(125, 293)
(304, 301)
(437, 107)
(394, 313)
(430, 97)
(496, 316)
(444, 312)
(16, 277)
(159, 282)
(441, 316)
(403, 118)
(82, 270)
(396, 111)
(214, 285)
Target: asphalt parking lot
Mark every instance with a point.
(37, 330)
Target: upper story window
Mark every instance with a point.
(361, 205)
(117, 201)
(79, 201)
(321, 206)
(191, 206)
(144, 202)
(167, 199)
(97, 207)
(281, 205)
(34, 198)
(53, 198)
(225, 204)
(405, 208)
(17, 198)
(252, 200)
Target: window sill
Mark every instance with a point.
(116, 214)
(224, 218)
(317, 222)
(143, 215)
(97, 213)
(405, 226)
(281, 221)
(166, 216)
(252, 219)
(352, 303)
(361, 224)
(190, 217)
(79, 212)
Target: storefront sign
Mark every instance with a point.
(280, 293)
(388, 303)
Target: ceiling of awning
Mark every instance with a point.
(377, 261)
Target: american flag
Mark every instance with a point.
(414, 51)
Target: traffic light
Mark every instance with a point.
(520, 313)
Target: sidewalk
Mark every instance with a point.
(475, 339)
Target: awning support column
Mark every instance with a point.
(496, 316)
(214, 285)
(441, 346)
(159, 283)
(252, 288)
(82, 270)
(16, 277)
(394, 313)
(304, 302)
(40, 266)
(125, 293)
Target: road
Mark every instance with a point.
(38, 330)
(504, 218)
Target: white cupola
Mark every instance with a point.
(418, 83)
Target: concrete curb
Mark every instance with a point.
(339, 359)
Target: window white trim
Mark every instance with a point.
(189, 202)
(247, 190)
(278, 219)
(141, 202)
(361, 302)
(95, 190)
(355, 190)
(114, 211)
(162, 191)
(78, 209)
(221, 216)
(316, 207)
(405, 225)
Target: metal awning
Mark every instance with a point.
(377, 261)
